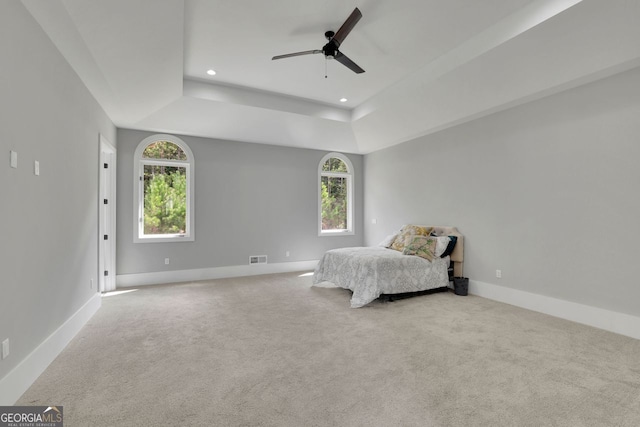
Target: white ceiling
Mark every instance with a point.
(430, 64)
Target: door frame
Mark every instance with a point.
(107, 217)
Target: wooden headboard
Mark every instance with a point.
(457, 256)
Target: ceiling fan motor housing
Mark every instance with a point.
(330, 50)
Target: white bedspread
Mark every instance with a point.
(371, 271)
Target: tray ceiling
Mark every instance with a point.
(430, 64)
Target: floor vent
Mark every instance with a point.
(257, 259)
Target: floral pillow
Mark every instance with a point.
(422, 246)
(408, 231)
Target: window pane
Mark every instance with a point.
(164, 150)
(165, 200)
(334, 165)
(334, 203)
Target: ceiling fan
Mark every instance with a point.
(330, 50)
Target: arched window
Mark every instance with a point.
(163, 190)
(335, 201)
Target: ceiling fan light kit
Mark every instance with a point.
(334, 40)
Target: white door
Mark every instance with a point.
(107, 220)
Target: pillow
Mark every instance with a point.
(388, 240)
(441, 244)
(407, 231)
(452, 244)
(422, 246)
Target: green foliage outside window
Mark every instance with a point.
(334, 203)
(165, 200)
(334, 196)
(334, 164)
(164, 150)
(165, 191)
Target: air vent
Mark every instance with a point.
(257, 259)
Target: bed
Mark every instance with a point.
(370, 272)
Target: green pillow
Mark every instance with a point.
(422, 246)
(409, 231)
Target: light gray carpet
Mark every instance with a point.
(275, 351)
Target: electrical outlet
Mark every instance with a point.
(166, 261)
(14, 159)
(287, 254)
(5, 349)
(499, 274)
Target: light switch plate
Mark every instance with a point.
(36, 167)
(5, 349)
(14, 159)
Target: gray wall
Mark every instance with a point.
(547, 192)
(250, 199)
(48, 250)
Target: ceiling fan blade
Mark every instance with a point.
(344, 60)
(289, 55)
(348, 25)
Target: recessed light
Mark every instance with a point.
(211, 72)
(343, 99)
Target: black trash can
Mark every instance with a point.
(461, 285)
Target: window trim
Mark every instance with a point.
(350, 178)
(138, 192)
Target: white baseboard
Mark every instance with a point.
(612, 321)
(162, 277)
(20, 378)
